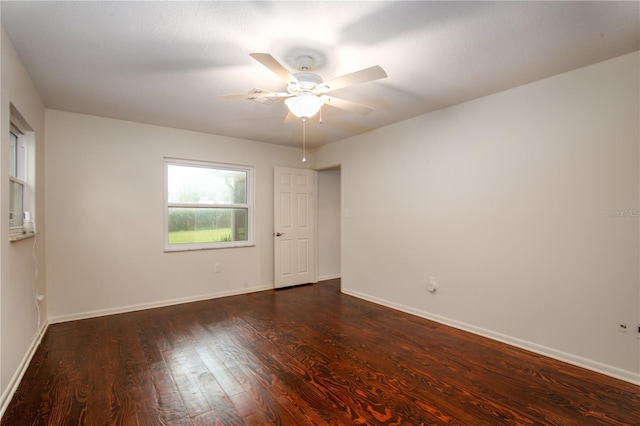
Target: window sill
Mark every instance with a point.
(20, 237)
(194, 247)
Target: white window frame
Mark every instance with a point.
(249, 170)
(23, 175)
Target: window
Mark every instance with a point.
(207, 205)
(16, 181)
(20, 177)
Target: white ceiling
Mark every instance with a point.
(165, 63)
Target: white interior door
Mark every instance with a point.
(294, 228)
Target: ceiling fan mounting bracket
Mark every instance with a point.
(305, 63)
(299, 56)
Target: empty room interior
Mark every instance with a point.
(274, 212)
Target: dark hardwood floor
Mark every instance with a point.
(305, 355)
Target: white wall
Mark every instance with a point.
(524, 207)
(329, 238)
(105, 182)
(19, 327)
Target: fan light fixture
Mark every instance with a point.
(306, 91)
(304, 105)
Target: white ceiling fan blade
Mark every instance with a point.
(276, 67)
(347, 105)
(257, 95)
(362, 76)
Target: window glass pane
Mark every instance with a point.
(202, 185)
(13, 155)
(15, 203)
(206, 225)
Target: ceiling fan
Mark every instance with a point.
(307, 91)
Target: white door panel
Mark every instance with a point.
(294, 226)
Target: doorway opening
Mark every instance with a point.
(329, 223)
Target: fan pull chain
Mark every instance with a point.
(304, 140)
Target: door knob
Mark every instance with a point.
(278, 234)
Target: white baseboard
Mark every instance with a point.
(618, 373)
(12, 387)
(131, 308)
(328, 277)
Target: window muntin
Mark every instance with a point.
(207, 205)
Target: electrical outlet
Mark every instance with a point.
(218, 268)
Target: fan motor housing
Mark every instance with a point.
(307, 80)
